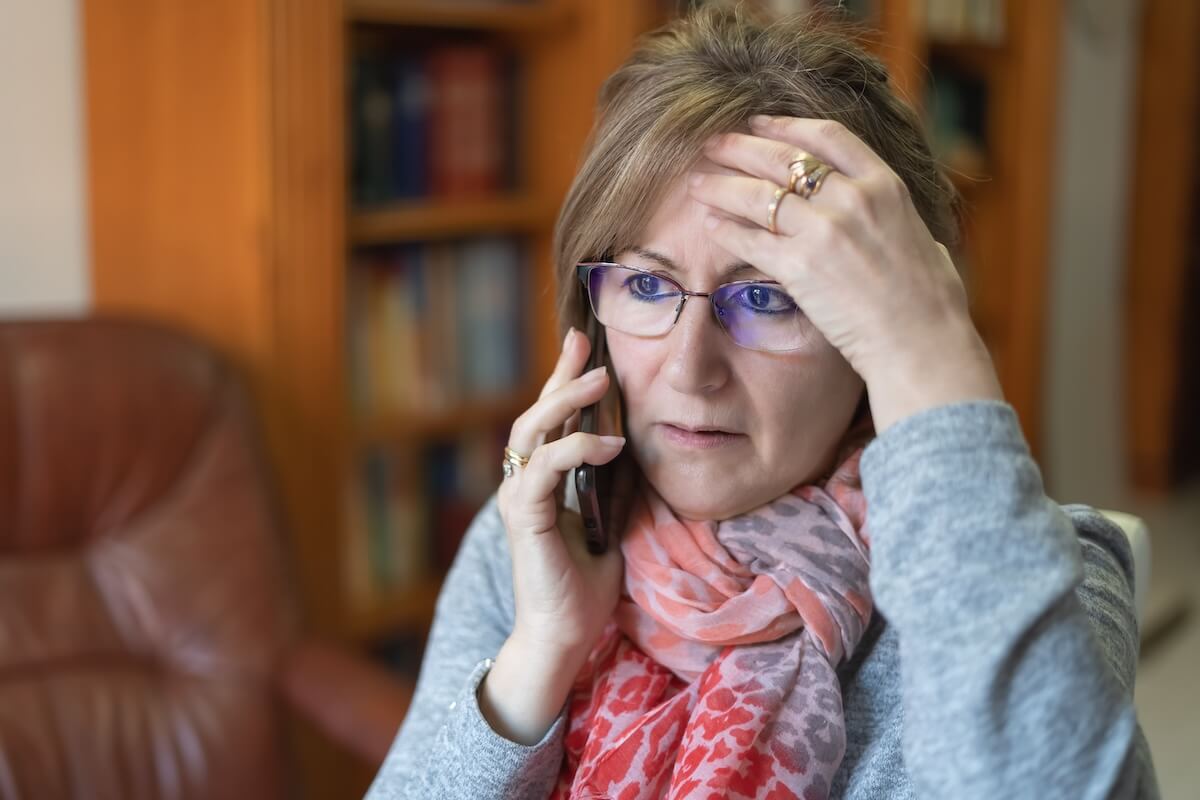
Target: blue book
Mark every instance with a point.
(410, 128)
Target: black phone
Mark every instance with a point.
(602, 489)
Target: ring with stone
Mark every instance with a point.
(512, 460)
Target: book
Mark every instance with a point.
(410, 128)
(490, 314)
(465, 127)
(372, 145)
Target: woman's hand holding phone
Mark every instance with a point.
(564, 594)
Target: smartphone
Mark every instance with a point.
(602, 489)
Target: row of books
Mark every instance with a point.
(409, 507)
(438, 123)
(974, 20)
(436, 325)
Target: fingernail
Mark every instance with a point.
(567, 338)
(592, 375)
(710, 222)
(613, 441)
(696, 179)
(759, 119)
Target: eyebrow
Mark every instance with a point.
(732, 270)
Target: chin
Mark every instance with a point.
(693, 496)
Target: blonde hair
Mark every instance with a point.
(708, 73)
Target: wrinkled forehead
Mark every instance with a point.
(675, 241)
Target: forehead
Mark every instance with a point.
(675, 240)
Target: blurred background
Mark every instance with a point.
(274, 282)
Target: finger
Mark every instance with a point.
(571, 360)
(541, 476)
(569, 427)
(549, 413)
(749, 243)
(753, 155)
(742, 197)
(827, 139)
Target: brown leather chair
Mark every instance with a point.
(149, 640)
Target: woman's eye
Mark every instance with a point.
(758, 297)
(644, 286)
(648, 285)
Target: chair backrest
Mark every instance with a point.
(1139, 542)
(143, 599)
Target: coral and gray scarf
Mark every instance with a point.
(716, 677)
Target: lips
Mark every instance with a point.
(699, 428)
(684, 437)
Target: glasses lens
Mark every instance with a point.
(634, 302)
(761, 316)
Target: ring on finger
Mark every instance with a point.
(800, 167)
(512, 460)
(813, 180)
(773, 207)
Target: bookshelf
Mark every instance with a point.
(248, 238)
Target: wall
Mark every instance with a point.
(43, 229)
(1083, 453)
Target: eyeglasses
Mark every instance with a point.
(758, 315)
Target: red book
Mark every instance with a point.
(465, 124)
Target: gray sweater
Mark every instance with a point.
(999, 663)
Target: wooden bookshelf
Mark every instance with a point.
(410, 610)
(436, 219)
(483, 15)
(479, 413)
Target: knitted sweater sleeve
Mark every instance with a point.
(1017, 674)
(446, 748)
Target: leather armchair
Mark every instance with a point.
(150, 643)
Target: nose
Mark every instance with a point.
(698, 358)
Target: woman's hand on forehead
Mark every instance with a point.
(855, 256)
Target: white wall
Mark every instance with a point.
(43, 227)
(1084, 453)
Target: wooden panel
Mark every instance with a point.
(1161, 207)
(1024, 154)
(901, 24)
(490, 15)
(307, 376)
(306, 386)
(177, 186)
(423, 219)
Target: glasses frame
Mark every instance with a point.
(584, 268)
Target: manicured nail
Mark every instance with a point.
(592, 375)
(567, 338)
(759, 119)
(613, 441)
(696, 179)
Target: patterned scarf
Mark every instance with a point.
(716, 677)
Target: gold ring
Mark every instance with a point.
(813, 180)
(801, 165)
(773, 207)
(512, 459)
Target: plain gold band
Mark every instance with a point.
(773, 207)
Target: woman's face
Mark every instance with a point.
(786, 411)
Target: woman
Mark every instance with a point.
(760, 222)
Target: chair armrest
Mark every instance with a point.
(352, 700)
